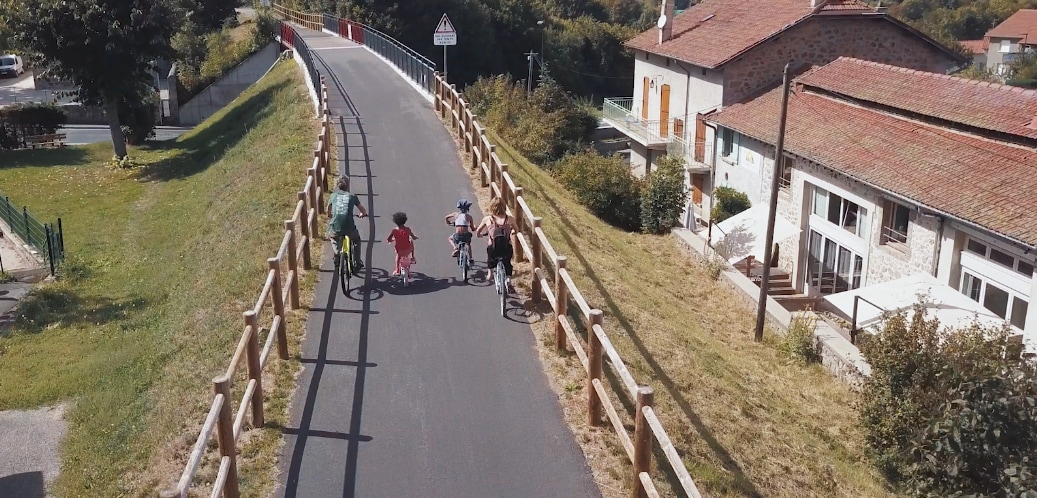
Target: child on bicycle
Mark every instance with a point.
(500, 229)
(404, 238)
(463, 223)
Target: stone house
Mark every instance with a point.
(718, 52)
(894, 178)
(1015, 36)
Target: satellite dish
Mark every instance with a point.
(662, 21)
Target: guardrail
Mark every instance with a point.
(417, 67)
(279, 294)
(559, 292)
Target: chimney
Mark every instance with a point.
(666, 21)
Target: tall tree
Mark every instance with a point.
(104, 47)
(211, 14)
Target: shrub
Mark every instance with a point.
(605, 186)
(727, 203)
(799, 344)
(950, 412)
(21, 120)
(663, 196)
(138, 117)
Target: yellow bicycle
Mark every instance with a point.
(346, 270)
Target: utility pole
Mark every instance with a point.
(529, 80)
(779, 159)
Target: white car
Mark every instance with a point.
(11, 65)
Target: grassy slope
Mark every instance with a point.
(746, 422)
(172, 254)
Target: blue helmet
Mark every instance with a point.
(463, 205)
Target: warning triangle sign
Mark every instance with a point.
(445, 26)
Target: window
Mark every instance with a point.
(1019, 308)
(971, 286)
(820, 201)
(1006, 46)
(996, 300)
(843, 213)
(977, 248)
(1006, 305)
(1025, 268)
(832, 268)
(895, 219)
(1000, 257)
(786, 173)
(730, 140)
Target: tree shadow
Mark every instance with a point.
(50, 305)
(211, 140)
(741, 482)
(58, 156)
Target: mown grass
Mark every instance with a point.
(746, 421)
(163, 260)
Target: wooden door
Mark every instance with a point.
(664, 111)
(700, 138)
(697, 183)
(644, 99)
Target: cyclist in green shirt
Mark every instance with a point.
(340, 219)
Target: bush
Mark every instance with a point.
(22, 120)
(799, 344)
(138, 117)
(605, 186)
(663, 196)
(727, 203)
(950, 412)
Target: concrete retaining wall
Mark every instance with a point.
(228, 88)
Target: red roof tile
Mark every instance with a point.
(990, 106)
(988, 183)
(714, 31)
(1022, 24)
(975, 47)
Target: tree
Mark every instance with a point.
(1023, 71)
(664, 196)
(211, 14)
(727, 203)
(950, 412)
(104, 47)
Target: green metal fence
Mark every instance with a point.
(47, 238)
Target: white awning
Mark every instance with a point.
(950, 307)
(745, 233)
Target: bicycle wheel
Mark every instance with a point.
(345, 266)
(502, 287)
(463, 262)
(406, 276)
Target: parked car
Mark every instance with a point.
(11, 65)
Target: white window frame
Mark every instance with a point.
(1006, 46)
(863, 221)
(732, 158)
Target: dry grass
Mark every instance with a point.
(172, 254)
(746, 421)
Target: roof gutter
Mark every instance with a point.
(889, 193)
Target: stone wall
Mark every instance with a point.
(229, 87)
(821, 40)
(890, 262)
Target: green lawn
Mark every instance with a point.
(163, 260)
(747, 422)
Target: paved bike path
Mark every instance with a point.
(423, 391)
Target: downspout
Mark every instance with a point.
(712, 183)
(938, 246)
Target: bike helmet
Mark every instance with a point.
(463, 205)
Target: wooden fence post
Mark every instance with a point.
(437, 92)
(594, 357)
(489, 165)
(255, 372)
(276, 290)
(642, 441)
(535, 246)
(293, 265)
(562, 295)
(225, 436)
(304, 227)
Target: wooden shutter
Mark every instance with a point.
(697, 182)
(644, 99)
(700, 138)
(664, 111)
(678, 127)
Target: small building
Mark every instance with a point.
(1008, 40)
(978, 50)
(718, 52)
(895, 175)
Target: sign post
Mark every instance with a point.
(445, 35)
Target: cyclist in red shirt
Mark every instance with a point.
(404, 239)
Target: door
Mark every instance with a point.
(697, 182)
(700, 138)
(664, 112)
(644, 99)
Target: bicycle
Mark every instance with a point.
(463, 261)
(345, 263)
(403, 263)
(501, 281)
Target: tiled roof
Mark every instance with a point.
(990, 106)
(991, 184)
(714, 31)
(975, 47)
(1022, 24)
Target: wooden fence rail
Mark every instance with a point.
(279, 294)
(535, 247)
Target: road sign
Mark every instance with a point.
(445, 33)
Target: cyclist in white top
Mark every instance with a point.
(462, 222)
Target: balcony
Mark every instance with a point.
(619, 113)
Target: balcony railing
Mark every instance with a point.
(620, 113)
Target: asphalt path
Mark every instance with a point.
(423, 391)
(91, 134)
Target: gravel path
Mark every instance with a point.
(30, 458)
